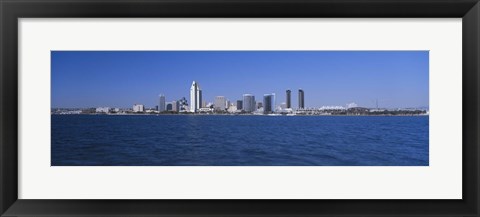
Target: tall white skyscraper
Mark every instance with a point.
(195, 97)
(161, 103)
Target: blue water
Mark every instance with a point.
(188, 140)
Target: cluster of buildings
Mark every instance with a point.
(180, 105)
(248, 104)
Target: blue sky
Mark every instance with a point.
(83, 79)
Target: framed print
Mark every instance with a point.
(229, 108)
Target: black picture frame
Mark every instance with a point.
(12, 10)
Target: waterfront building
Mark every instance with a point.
(161, 104)
(205, 110)
(183, 105)
(169, 107)
(279, 108)
(102, 110)
(289, 99)
(227, 104)
(138, 108)
(220, 103)
(268, 103)
(239, 105)
(301, 99)
(175, 106)
(232, 109)
(283, 106)
(204, 104)
(151, 110)
(274, 103)
(259, 105)
(258, 111)
(249, 102)
(195, 97)
(338, 108)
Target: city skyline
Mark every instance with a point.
(406, 89)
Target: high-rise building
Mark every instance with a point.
(268, 103)
(183, 105)
(200, 99)
(301, 99)
(289, 98)
(195, 97)
(249, 103)
(161, 104)
(169, 106)
(274, 103)
(239, 105)
(220, 103)
(175, 106)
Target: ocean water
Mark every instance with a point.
(216, 140)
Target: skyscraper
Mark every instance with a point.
(175, 106)
(220, 103)
(239, 105)
(289, 97)
(268, 103)
(161, 103)
(301, 99)
(249, 103)
(195, 97)
(183, 105)
(169, 106)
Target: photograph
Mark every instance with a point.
(240, 108)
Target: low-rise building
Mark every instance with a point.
(102, 110)
(138, 108)
(232, 109)
(205, 110)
